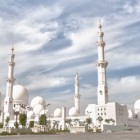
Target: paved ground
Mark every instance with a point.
(79, 136)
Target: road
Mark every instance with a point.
(78, 136)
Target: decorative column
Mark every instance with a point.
(102, 90)
(77, 95)
(8, 101)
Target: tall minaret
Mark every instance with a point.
(8, 101)
(102, 90)
(77, 95)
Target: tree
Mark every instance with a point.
(88, 122)
(48, 123)
(16, 124)
(43, 120)
(31, 124)
(112, 120)
(1, 125)
(68, 121)
(100, 119)
(23, 119)
(55, 124)
(107, 120)
(7, 120)
(16, 113)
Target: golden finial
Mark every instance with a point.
(12, 49)
(99, 24)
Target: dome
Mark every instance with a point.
(57, 112)
(30, 114)
(44, 112)
(6, 115)
(38, 100)
(20, 94)
(137, 106)
(73, 111)
(37, 109)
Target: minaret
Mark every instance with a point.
(8, 102)
(102, 90)
(77, 95)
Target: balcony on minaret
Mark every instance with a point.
(100, 33)
(101, 43)
(102, 64)
(77, 95)
(11, 63)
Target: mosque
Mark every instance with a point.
(104, 115)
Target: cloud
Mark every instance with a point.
(124, 90)
(47, 82)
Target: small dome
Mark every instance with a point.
(6, 115)
(57, 112)
(44, 112)
(20, 94)
(137, 106)
(30, 114)
(73, 111)
(37, 109)
(38, 100)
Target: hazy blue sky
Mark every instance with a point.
(55, 38)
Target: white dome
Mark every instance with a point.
(20, 94)
(44, 112)
(38, 100)
(37, 109)
(30, 114)
(6, 115)
(57, 112)
(73, 111)
(137, 106)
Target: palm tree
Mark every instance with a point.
(68, 121)
(55, 124)
(16, 113)
(48, 122)
(88, 122)
(7, 120)
(112, 120)
(100, 119)
(76, 120)
(107, 120)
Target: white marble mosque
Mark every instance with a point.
(16, 99)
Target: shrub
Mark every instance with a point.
(1, 125)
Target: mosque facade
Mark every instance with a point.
(104, 115)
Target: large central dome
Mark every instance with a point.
(20, 95)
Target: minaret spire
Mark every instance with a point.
(77, 95)
(102, 90)
(8, 103)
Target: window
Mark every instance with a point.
(104, 113)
